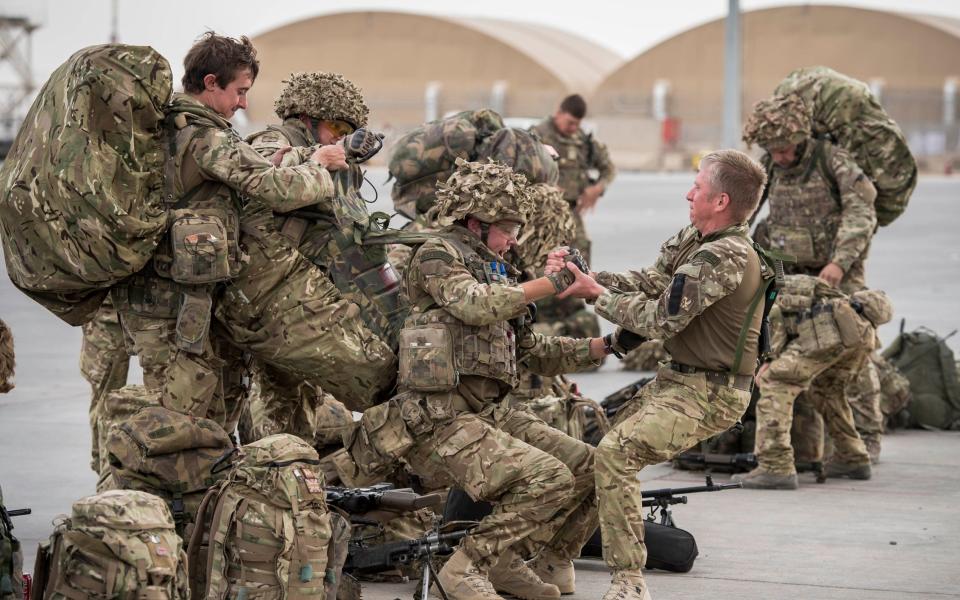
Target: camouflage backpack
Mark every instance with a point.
(118, 406)
(81, 191)
(169, 454)
(425, 156)
(11, 558)
(265, 530)
(846, 112)
(118, 544)
(928, 363)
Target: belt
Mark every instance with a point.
(740, 382)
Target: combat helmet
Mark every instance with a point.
(778, 121)
(326, 96)
(553, 226)
(488, 191)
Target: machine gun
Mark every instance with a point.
(660, 501)
(379, 497)
(742, 461)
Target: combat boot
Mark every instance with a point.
(462, 580)
(872, 442)
(761, 479)
(513, 577)
(853, 471)
(558, 571)
(627, 585)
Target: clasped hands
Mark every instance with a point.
(584, 285)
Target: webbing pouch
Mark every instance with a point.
(426, 359)
(201, 249)
(193, 321)
(796, 241)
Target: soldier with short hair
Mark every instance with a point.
(822, 337)
(703, 298)
(459, 353)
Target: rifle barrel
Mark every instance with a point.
(664, 492)
(19, 512)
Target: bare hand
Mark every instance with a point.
(277, 158)
(583, 286)
(330, 157)
(555, 261)
(588, 199)
(832, 274)
(552, 151)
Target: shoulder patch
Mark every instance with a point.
(707, 257)
(436, 254)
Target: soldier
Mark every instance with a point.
(166, 309)
(821, 339)
(459, 351)
(7, 361)
(302, 257)
(821, 212)
(701, 298)
(104, 363)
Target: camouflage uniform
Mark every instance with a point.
(821, 211)
(696, 299)
(104, 363)
(825, 345)
(166, 309)
(7, 362)
(539, 479)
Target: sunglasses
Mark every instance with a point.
(339, 128)
(511, 230)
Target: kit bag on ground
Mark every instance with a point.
(845, 111)
(81, 190)
(668, 548)
(928, 363)
(169, 454)
(118, 544)
(265, 531)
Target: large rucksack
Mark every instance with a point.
(118, 544)
(81, 190)
(846, 112)
(169, 454)
(928, 363)
(264, 532)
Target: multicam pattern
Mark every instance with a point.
(7, 360)
(777, 122)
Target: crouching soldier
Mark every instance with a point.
(459, 354)
(821, 340)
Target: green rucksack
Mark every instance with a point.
(11, 558)
(265, 531)
(168, 454)
(81, 191)
(118, 544)
(928, 363)
(846, 112)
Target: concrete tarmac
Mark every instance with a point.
(895, 536)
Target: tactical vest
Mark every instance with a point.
(486, 350)
(822, 318)
(576, 156)
(805, 210)
(360, 272)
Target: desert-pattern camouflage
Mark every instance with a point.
(11, 561)
(104, 363)
(864, 395)
(325, 96)
(119, 543)
(822, 211)
(486, 191)
(558, 403)
(695, 298)
(285, 403)
(778, 122)
(82, 187)
(645, 357)
(827, 344)
(266, 525)
(8, 361)
(676, 411)
(894, 387)
(116, 407)
(845, 110)
(552, 226)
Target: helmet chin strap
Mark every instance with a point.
(484, 232)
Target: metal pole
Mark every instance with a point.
(731, 76)
(114, 30)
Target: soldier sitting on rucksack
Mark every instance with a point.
(821, 338)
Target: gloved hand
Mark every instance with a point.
(622, 341)
(362, 144)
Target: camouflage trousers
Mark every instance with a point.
(539, 480)
(208, 383)
(672, 413)
(287, 313)
(104, 363)
(864, 395)
(823, 377)
(280, 402)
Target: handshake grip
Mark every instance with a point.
(565, 278)
(361, 145)
(622, 341)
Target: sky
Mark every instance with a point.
(626, 27)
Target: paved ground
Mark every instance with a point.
(895, 536)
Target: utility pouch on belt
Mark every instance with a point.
(193, 320)
(426, 359)
(381, 437)
(854, 331)
(825, 326)
(796, 241)
(148, 296)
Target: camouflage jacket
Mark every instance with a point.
(580, 154)
(828, 195)
(211, 161)
(440, 278)
(695, 298)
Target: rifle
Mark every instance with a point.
(6, 514)
(382, 496)
(743, 461)
(662, 499)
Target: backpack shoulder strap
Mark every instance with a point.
(220, 525)
(772, 278)
(819, 164)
